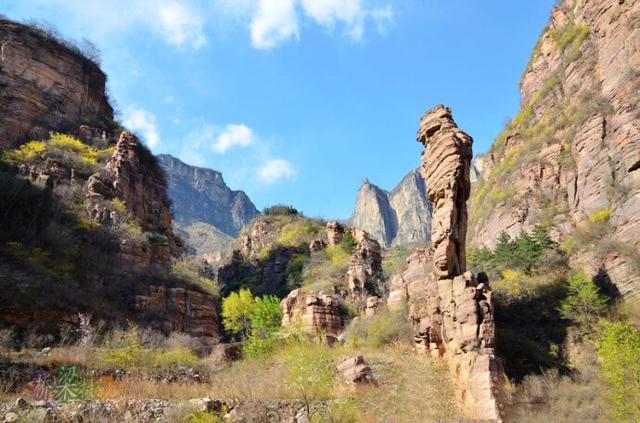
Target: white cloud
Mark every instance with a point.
(178, 22)
(276, 169)
(328, 12)
(144, 122)
(233, 135)
(382, 16)
(180, 25)
(273, 22)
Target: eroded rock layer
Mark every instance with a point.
(318, 314)
(133, 177)
(445, 166)
(45, 86)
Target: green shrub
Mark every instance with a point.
(600, 216)
(348, 244)
(236, 312)
(584, 303)
(280, 210)
(181, 356)
(203, 417)
(296, 233)
(128, 353)
(620, 354)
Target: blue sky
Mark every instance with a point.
(296, 101)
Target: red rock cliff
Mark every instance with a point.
(570, 159)
(44, 86)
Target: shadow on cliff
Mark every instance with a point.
(53, 267)
(276, 273)
(531, 331)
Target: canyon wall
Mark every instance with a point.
(570, 158)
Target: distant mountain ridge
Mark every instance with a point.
(200, 195)
(398, 217)
(401, 216)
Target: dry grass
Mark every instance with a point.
(131, 387)
(411, 388)
(552, 397)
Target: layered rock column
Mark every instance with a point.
(451, 310)
(446, 161)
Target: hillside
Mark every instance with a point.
(569, 159)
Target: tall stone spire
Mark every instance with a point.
(446, 161)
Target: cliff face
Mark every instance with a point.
(201, 195)
(399, 217)
(45, 86)
(570, 159)
(132, 176)
(104, 223)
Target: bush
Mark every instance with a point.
(620, 354)
(310, 374)
(236, 312)
(379, 330)
(127, 352)
(348, 244)
(26, 209)
(600, 217)
(280, 210)
(181, 356)
(584, 303)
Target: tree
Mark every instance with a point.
(265, 321)
(265, 316)
(348, 243)
(584, 302)
(310, 373)
(620, 354)
(236, 312)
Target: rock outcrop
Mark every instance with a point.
(573, 151)
(451, 310)
(365, 265)
(46, 86)
(318, 314)
(396, 218)
(133, 177)
(201, 195)
(179, 310)
(356, 371)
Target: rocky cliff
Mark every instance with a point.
(570, 159)
(201, 195)
(396, 218)
(451, 310)
(86, 228)
(45, 86)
